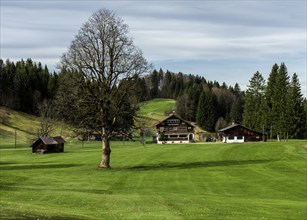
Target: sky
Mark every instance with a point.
(222, 40)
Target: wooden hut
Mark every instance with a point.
(48, 145)
(238, 133)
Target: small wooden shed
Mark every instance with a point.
(48, 145)
(237, 133)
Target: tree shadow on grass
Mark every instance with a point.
(204, 164)
(47, 188)
(37, 166)
(17, 214)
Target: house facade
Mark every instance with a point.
(48, 145)
(238, 134)
(173, 129)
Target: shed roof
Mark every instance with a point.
(51, 140)
(59, 139)
(48, 140)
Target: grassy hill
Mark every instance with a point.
(154, 110)
(195, 181)
(24, 126)
(18, 123)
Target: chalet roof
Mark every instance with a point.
(173, 115)
(237, 125)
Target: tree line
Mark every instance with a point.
(25, 84)
(275, 107)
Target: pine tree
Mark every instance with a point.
(279, 103)
(236, 111)
(296, 115)
(166, 91)
(254, 95)
(270, 96)
(205, 117)
(154, 84)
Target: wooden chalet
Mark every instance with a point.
(48, 145)
(173, 129)
(238, 134)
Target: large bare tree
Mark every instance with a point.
(106, 64)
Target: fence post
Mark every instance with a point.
(15, 138)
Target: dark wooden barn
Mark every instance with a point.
(238, 133)
(48, 145)
(174, 129)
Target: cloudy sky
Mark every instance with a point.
(222, 40)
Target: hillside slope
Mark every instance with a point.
(155, 110)
(23, 128)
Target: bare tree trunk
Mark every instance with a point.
(106, 152)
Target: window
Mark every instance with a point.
(161, 129)
(182, 128)
(173, 121)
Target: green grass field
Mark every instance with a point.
(195, 181)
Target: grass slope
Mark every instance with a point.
(25, 126)
(21, 123)
(155, 109)
(196, 181)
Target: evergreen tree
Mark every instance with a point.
(279, 103)
(270, 96)
(166, 91)
(254, 95)
(295, 110)
(205, 117)
(236, 111)
(154, 84)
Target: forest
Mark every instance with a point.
(275, 106)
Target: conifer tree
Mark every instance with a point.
(279, 103)
(254, 95)
(295, 110)
(235, 111)
(205, 117)
(270, 96)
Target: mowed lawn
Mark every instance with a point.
(195, 181)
